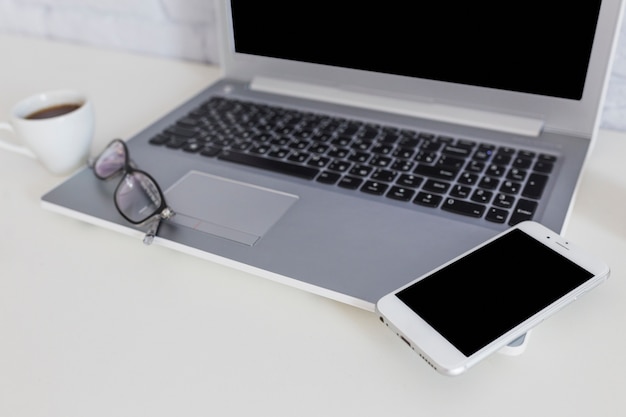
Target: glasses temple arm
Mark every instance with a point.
(153, 228)
(153, 225)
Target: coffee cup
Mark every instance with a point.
(54, 127)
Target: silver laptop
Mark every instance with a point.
(348, 149)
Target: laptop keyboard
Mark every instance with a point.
(466, 177)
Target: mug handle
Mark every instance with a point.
(11, 146)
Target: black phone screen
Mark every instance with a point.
(483, 295)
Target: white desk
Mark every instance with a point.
(93, 323)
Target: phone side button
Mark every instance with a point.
(406, 341)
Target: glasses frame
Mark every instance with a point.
(162, 212)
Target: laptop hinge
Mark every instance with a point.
(439, 112)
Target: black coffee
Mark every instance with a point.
(53, 111)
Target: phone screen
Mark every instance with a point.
(483, 295)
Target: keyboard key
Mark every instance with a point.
(408, 142)
(484, 152)
(192, 147)
(468, 178)
(535, 185)
(361, 170)
(408, 180)
(402, 165)
(276, 153)
(524, 210)
(457, 151)
(496, 215)
(475, 166)
(380, 161)
(181, 131)
(506, 150)
(450, 162)
(460, 191)
(270, 164)
(443, 173)
(426, 157)
(505, 201)
(488, 183)
(159, 139)
(465, 208)
(401, 193)
(382, 149)
(341, 166)
(436, 186)
(318, 148)
(501, 158)
(522, 163)
(547, 158)
(260, 149)
(349, 182)
(495, 170)
(466, 143)
(318, 161)
(374, 187)
(328, 177)
(543, 166)
(383, 175)
(516, 174)
(430, 146)
(427, 199)
(338, 153)
(359, 157)
(482, 196)
(174, 142)
(210, 151)
(510, 187)
(298, 157)
(403, 153)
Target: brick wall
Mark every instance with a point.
(174, 28)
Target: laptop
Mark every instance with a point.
(347, 150)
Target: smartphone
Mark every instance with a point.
(479, 302)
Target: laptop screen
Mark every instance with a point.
(538, 47)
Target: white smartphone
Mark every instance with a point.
(484, 299)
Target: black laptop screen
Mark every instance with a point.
(536, 46)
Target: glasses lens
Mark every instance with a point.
(111, 160)
(137, 197)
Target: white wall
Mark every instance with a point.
(174, 28)
(183, 29)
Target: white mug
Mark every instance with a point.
(54, 127)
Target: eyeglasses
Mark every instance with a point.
(138, 197)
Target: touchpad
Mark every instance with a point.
(229, 209)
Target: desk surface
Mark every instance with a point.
(94, 323)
